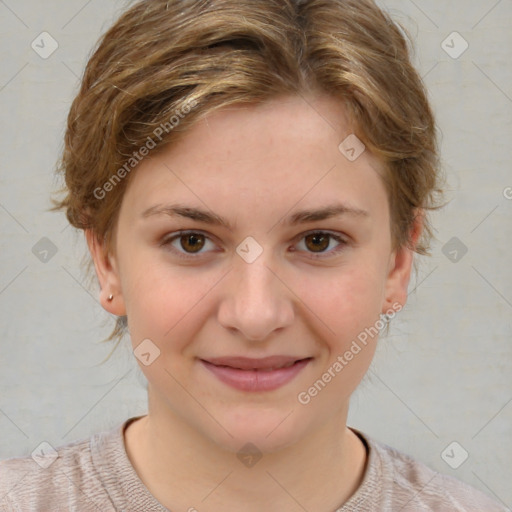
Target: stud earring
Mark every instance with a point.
(110, 298)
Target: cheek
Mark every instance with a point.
(348, 305)
(347, 299)
(165, 307)
(162, 300)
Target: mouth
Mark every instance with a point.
(265, 374)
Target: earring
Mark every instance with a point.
(110, 297)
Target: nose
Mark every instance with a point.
(256, 303)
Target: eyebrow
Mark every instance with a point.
(301, 217)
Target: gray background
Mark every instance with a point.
(443, 374)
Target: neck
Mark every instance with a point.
(184, 470)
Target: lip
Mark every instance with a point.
(265, 374)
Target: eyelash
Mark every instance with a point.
(167, 241)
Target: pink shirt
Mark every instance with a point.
(95, 475)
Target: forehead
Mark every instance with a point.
(275, 155)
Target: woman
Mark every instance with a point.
(253, 180)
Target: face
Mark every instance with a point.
(255, 237)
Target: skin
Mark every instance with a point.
(254, 165)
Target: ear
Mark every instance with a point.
(107, 274)
(400, 266)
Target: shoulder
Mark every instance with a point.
(62, 478)
(410, 485)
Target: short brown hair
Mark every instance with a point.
(162, 56)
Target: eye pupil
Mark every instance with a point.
(192, 240)
(320, 241)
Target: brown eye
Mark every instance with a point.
(317, 242)
(322, 244)
(190, 245)
(192, 242)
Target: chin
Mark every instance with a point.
(269, 431)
